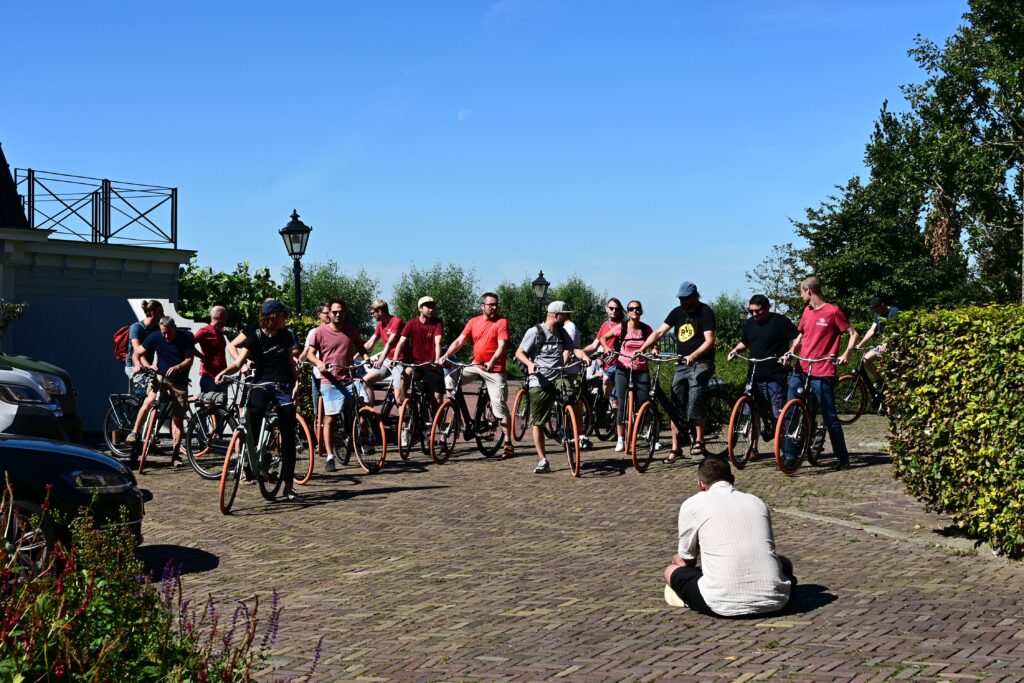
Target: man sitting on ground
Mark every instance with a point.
(730, 532)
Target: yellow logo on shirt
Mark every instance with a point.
(685, 332)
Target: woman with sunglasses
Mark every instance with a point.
(627, 338)
(615, 318)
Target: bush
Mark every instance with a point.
(955, 378)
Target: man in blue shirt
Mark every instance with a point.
(883, 313)
(175, 351)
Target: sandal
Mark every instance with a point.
(697, 448)
(509, 451)
(673, 457)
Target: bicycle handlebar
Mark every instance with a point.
(757, 360)
(811, 360)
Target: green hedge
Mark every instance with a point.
(956, 394)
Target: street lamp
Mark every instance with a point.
(295, 236)
(540, 290)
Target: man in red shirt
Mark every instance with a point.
(489, 334)
(388, 330)
(332, 348)
(212, 344)
(821, 327)
(421, 342)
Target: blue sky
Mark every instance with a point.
(637, 144)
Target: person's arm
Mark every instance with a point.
(185, 364)
(437, 348)
(741, 346)
(401, 344)
(453, 348)
(368, 346)
(137, 351)
(361, 348)
(235, 344)
(502, 343)
(653, 338)
(689, 542)
(796, 344)
(139, 358)
(709, 341)
(849, 347)
(868, 335)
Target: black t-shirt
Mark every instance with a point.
(272, 356)
(690, 329)
(768, 338)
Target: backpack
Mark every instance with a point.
(540, 338)
(121, 343)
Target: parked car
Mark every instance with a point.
(26, 408)
(81, 479)
(57, 382)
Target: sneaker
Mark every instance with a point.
(542, 467)
(620, 445)
(177, 462)
(657, 445)
(841, 465)
(329, 466)
(131, 438)
(291, 495)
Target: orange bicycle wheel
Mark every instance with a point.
(571, 440)
(231, 472)
(148, 438)
(304, 452)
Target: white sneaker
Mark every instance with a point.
(657, 445)
(620, 445)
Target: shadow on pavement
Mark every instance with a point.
(605, 467)
(808, 597)
(189, 560)
(309, 499)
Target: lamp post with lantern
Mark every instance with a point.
(296, 236)
(540, 290)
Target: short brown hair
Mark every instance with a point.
(812, 285)
(714, 469)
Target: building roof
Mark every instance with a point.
(11, 213)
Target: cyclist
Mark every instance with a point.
(695, 345)
(628, 337)
(488, 333)
(821, 327)
(546, 347)
(332, 348)
(212, 348)
(175, 351)
(152, 311)
(271, 347)
(422, 335)
(882, 313)
(325, 318)
(767, 334)
(616, 316)
(388, 331)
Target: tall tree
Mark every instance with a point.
(241, 291)
(777, 277)
(322, 282)
(453, 288)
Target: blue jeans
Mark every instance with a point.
(824, 387)
(773, 393)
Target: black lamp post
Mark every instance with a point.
(295, 236)
(540, 290)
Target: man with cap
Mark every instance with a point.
(546, 348)
(422, 336)
(695, 345)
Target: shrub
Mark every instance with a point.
(955, 380)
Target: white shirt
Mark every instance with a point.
(731, 532)
(309, 342)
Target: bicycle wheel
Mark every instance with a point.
(520, 414)
(571, 439)
(490, 437)
(717, 409)
(206, 440)
(604, 418)
(303, 451)
(743, 428)
(341, 445)
(408, 419)
(118, 422)
(584, 414)
(444, 432)
(149, 438)
(369, 440)
(792, 436)
(231, 471)
(426, 415)
(851, 398)
(645, 435)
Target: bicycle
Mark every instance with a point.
(159, 416)
(453, 415)
(752, 417)
(563, 425)
(359, 428)
(798, 431)
(265, 464)
(209, 430)
(119, 420)
(603, 410)
(415, 413)
(646, 434)
(853, 393)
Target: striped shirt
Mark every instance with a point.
(731, 532)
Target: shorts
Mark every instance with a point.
(542, 399)
(688, 387)
(177, 395)
(432, 377)
(334, 396)
(206, 384)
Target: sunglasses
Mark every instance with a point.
(635, 309)
(337, 312)
(491, 305)
(427, 306)
(755, 311)
(614, 308)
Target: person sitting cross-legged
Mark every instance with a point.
(730, 534)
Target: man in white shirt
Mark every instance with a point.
(731, 533)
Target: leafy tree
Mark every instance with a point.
(520, 306)
(241, 291)
(585, 302)
(730, 314)
(322, 282)
(453, 287)
(778, 276)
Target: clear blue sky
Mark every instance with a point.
(638, 144)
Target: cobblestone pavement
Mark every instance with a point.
(481, 570)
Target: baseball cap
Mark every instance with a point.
(687, 288)
(274, 306)
(425, 300)
(558, 307)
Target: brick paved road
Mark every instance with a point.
(480, 570)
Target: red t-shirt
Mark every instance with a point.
(335, 347)
(606, 327)
(385, 332)
(631, 343)
(485, 335)
(421, 337)
(212, 343)
(821, 330)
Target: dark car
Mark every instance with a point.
(57, 383)
(79, 477)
